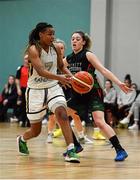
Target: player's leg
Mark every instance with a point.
(109, 132)
(77, 122)
(97, 109)
(35, 113)
(57, 104)
(51, 126)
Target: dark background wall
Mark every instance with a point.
(18, 18)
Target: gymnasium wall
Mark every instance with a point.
(113, 25)
(115, 31)
(125, 41)
(18, 18)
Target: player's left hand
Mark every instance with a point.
(124, 88)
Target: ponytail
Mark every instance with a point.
(33, 37)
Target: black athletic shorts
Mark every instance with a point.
(90, 102)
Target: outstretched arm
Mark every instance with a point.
(105, 72)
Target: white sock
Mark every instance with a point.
(22, 139)
(70, 146)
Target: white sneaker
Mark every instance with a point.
(124, 121)
(87, 140)
(133, 127)
(44, 121)
(14, 119)
(50, 138)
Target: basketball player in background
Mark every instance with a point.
(77, 121)
(81, 59)
(43, 89)
(21, 83)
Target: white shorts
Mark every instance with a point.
(38, 100)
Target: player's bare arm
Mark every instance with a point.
(40, 68)
(105, 72)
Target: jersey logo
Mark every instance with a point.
(40, 79)
(75, 67)
(48, 65)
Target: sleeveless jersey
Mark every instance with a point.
(50, 62)
(91, 101)
(79, 62)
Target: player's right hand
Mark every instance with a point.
(65, 80)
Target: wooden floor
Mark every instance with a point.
(46, 161)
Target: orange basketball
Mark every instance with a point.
(82, 82)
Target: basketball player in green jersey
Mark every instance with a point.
(81, 59)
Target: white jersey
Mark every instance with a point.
(50, 62)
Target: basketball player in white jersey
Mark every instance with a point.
(43, 89)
